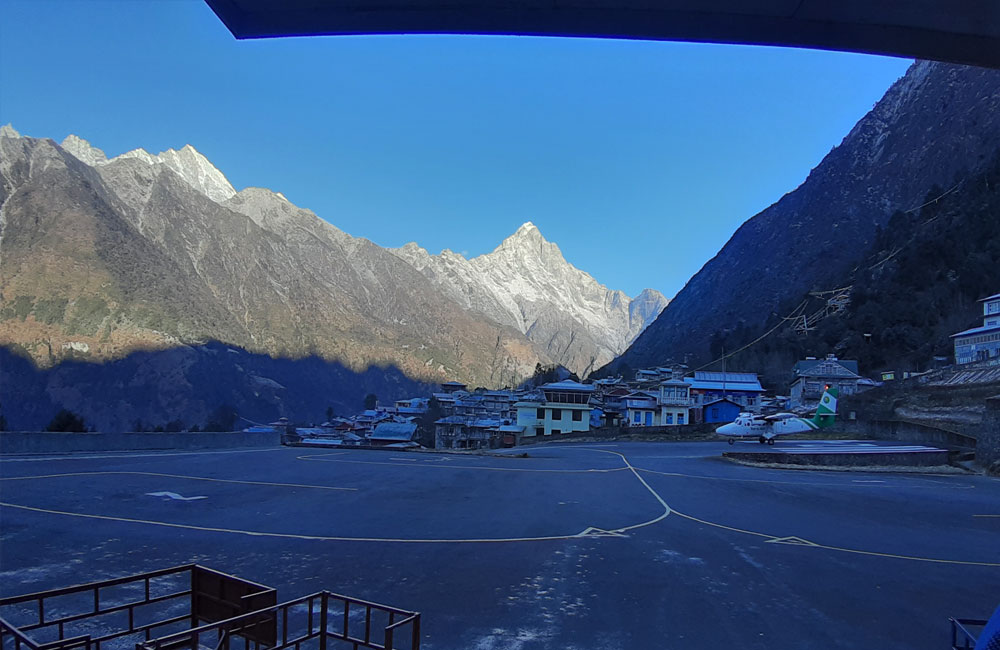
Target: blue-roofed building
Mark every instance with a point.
(981, 344)
(741, 388)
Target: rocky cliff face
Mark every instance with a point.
(527, 284)
(937, 125)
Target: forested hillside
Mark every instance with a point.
(918, 283)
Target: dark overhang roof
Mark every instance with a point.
(959, 31)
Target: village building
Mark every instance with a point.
(453, 387)
(741, 388)
(396, 435)
(720, 410)
(641, 409)
(562, 407)
(412, 407)
(813, 376)
(610, 402)
(464, 432)
(674, 402)
(981, 344)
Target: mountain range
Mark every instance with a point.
(526, 284)
(936, 128)
(100, 258)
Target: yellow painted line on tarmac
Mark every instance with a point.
(181, 476)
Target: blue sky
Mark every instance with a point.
(639, 159)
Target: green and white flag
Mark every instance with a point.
(828, 403)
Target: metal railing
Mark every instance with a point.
(17, 634)
(340, 618)
(961, 637)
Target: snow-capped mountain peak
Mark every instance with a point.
(187, 163)
(83, 150)
(8, 131)
(528, 284)
(198, 172)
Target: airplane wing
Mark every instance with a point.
(780, 416)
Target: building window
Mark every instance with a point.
(539, 431)
(540, 414)
(556, 414)
(578, 416)
(680, 418)
(637, 417)
(670, 418)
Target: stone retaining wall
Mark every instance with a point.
(46, 442)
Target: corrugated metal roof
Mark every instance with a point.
(735, 377)
(568, 384)
(803, 367)
(394, 431)
(978, 330)
(736, 387)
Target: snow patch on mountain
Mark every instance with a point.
(188, 163)
(528, 284)
(83, 150)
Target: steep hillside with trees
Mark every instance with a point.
(916, 284)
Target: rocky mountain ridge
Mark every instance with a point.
(526, 283)
(104, 256)
(937, 125)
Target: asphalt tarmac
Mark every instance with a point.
(633, 545)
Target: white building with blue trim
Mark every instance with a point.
(981, 343)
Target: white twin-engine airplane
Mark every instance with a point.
(767, 428)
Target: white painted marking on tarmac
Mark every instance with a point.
(866, 481)
(592, 531)
(173, 495)
(794, 541)
(412, 460)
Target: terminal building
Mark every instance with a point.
(981, 344)
(563, 407)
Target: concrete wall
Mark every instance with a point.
(681, 432)
(902, 431)
(44, 442)
(925, 459)
(988, 444)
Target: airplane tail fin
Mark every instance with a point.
(827, 409)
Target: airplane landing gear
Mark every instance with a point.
(770, 441)
(762, 440)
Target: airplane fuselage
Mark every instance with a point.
(748, 425)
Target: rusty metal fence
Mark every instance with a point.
(319, 621)
(189, 606)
